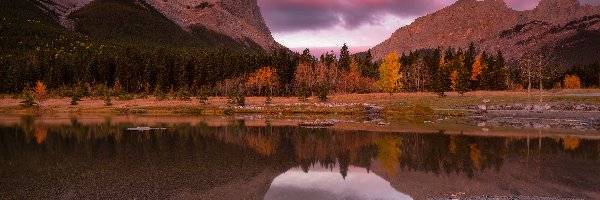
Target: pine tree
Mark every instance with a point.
(344, 62)
(322, 93)
(442, 82)
(464, 78)
(303, 92)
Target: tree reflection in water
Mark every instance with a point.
(200, 161)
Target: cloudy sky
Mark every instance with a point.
(323, 24)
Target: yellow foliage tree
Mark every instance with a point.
(389, 74)
(478, 67)
(454, 80)
(572, 82)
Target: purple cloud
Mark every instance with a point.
(296, 15)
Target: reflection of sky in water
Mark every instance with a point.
(321, 183)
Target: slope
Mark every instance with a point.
(133, 22)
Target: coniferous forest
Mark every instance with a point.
(34, 47)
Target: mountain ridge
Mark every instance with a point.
(475, 21)
(238, 20)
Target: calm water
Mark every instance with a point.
(220, 158)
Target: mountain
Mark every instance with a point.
(188, 23)
(558, 25)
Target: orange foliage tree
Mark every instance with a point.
(572, 82)
(477, 70)
(39, 93)
(265, 78)
(304, 77)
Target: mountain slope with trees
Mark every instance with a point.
(547, 27)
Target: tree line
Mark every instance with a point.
(94, 67)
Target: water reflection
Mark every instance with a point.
(235, 159)
(322, 183)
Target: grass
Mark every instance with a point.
(402, 104)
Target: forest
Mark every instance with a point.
(35, 49)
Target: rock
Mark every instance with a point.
(482, 109)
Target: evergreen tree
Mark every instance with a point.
(344, 62)
(322, 92)
(442, 82)
(303, 92)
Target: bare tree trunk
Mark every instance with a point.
(541, 86)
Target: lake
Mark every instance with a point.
(95, 156)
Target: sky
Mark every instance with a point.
(324, 25)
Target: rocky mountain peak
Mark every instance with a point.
(238, 19)
(483, 22)
(558, 4)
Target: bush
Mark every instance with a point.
(303, 92)
(236, 98)
(203, 96)
(27, 95)
(75, 99)
(572, 82)
(100, 90)
(268, 100)
(322, 93)
(183, 94)
(107, 100)
(125, 97)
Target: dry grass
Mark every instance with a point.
(218, 105)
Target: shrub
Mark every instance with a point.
(74, 99)
(183, 94)
(303, 92)
(268, 100)
(202, 96)
(322, 93)
(236, 98)
(125, 97)
(572, 82)
(27, 95)
(107, 100)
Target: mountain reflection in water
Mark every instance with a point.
(322, 183)
(221, 158)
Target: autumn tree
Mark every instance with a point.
(263, 79)
(572, 82)
(389, 74)
(477, 71)
(352, 80)
(39, 92)
(304, 80)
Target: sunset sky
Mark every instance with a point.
(323, 24)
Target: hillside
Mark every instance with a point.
(160, 23)
(483, 22)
